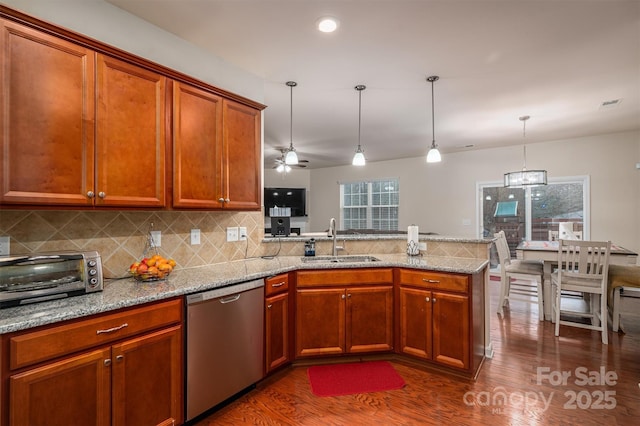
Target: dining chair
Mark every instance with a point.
(583, 268)
(528, 274)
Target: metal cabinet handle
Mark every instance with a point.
(427, 299)
(111, 330)
(119, 358)
(90, 194)
(230, 299)
(107, 362)
(101, 194)
(278, 284)
(430, 281)
(269, 306)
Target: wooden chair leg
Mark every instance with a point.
(603, 318)
(540, 302)
(616, 309)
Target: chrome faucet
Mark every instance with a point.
(334, 234)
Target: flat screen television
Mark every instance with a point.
(294, 198)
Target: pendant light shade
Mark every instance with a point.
(291, 157)
(433, 156)
(358, 158)
(524, 177)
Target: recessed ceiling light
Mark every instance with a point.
(327, 24)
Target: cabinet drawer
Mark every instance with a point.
(276, 284)
(342, 277)
(29, 348)
(435, 280)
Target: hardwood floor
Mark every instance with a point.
(521, 385)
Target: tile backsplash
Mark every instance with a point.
(120, 236)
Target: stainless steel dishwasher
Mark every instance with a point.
(224, 344)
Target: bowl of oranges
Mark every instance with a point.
(152, 268)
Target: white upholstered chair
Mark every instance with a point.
(582, 267)
(527, 273)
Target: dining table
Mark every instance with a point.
(547, 252)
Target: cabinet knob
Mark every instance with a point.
(344, 297)
(90, 194)
(221, 200)
(434, 300)
(269, 306)
(226, 200)
(427, 299)
(101, 194)
(119, 358)
(107, 362)
(348, 294)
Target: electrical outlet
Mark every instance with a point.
(195, 237)
(422, 246)
(232, 233)
(156, 236)
(4, 246)
(242, 233)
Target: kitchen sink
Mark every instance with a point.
(339, 259)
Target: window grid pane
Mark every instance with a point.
(371, 205)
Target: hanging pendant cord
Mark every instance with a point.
(359, 115)
(433, 120)
(291, 119)
(524, 140)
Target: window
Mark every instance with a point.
(370, 204)
(530, 213)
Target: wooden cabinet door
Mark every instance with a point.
(369, 325)
(130, 137)
(242, 149)
(47, 109)
(197, 148)
(276, 331)
(451, 329)
(320, 321)
(415, 322)
(147, 379)
(73, 391)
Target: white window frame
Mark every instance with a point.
(586, 203)
(369, 206)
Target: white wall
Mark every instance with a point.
(438, 197)
(111, 25)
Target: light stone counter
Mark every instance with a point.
(128, 292)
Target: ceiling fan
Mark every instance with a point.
(281, 166)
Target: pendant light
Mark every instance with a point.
(291, 157)
(525, 177)
(358, 158)
(433, 156)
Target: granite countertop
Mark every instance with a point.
(322, 236)
(128, 292)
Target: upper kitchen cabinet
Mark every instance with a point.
(47, 109)
(130, 135)
(241, 186)
(216, 151)
(75, 133)
(197, 148)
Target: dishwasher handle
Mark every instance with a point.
(230, 299)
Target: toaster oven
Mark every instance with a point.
(36, 278)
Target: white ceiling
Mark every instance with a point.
(556, 61)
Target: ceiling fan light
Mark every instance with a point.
(358, 158)
(291, 158)
(433, 156)
(280, 168)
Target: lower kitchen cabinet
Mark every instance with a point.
(134, 379)
(435, 318)
(276, 322)
(344, 312)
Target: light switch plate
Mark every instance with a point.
(157, 238)
(242, 233)
(232, 233)
(4, 246)
(195, 237)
